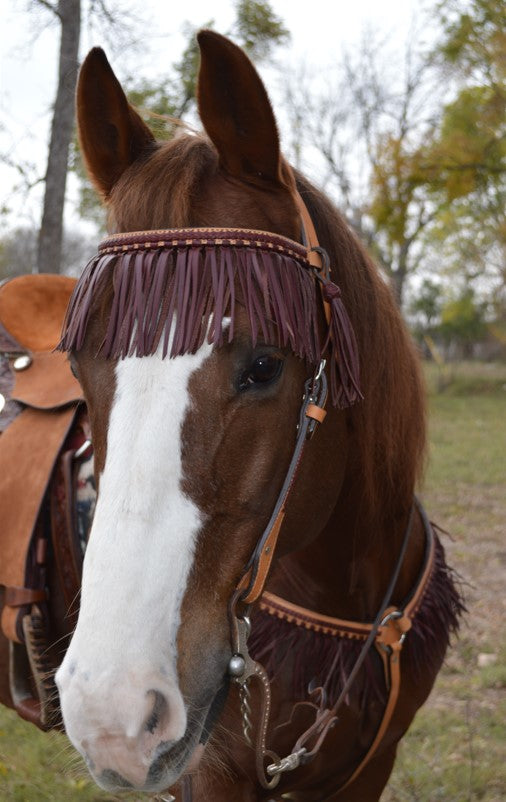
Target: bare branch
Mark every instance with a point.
(50, 7)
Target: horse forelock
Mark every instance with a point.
(159, 191)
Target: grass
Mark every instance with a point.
(454, 749)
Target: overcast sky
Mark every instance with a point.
(320, 29)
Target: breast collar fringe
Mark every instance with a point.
(387, 634)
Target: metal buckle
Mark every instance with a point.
(393, 616)
(325, 268)
(316, 388)
(319, 372)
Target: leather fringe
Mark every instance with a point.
(316, 659)
(182, 291)
(344, 380)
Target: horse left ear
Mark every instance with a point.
(236, 112)
(111, 133)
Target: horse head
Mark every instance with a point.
(191, 451)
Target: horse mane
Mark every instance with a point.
(389, 424)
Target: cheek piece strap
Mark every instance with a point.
(390, 626)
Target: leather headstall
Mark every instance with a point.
(388, 631)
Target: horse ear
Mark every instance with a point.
(235, 110)
(111, 133)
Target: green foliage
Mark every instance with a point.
(395, 178)
(463, 319)
(471, 148)
(163, 102)
(428, 304)
(474, 37)
(258, 29)
(398, 205)
(465, 165)
(186, 71)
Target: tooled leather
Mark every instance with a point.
(31, 444)
(47, 383)
(32, 308)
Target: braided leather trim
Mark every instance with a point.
(308, 619)
(197, 237)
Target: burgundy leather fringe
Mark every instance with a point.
(176, 287)
(342, 342)
(326, 660)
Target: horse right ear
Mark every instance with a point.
(236, 112)
(111, 133)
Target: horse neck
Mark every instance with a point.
(345, 571)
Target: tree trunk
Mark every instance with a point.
(398, 275)
(51, 229)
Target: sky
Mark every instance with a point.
(29, 48)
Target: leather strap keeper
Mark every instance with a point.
(20, 597)
(264, 562)
(316, 413)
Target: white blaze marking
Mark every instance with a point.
(139, 555)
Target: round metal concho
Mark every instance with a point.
(236, 665)
(2, 402)
(22, 362)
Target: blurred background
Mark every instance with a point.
(398, 110)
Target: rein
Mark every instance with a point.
(387, 633)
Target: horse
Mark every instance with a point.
(264, 604)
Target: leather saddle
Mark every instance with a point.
(45, 456)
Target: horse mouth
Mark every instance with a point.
(165, 770)
(173, 759)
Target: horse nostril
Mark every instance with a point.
(159, 712)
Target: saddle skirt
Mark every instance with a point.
(44, 458)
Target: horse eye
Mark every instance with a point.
(264, 369)
(73, 368)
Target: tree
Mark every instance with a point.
(415, 153)
(371, 129)
(463, 321)
(18, 252)
(427, 305)
(68, 13)
(466, 165)
(167, 101)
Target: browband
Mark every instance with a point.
(174, 287)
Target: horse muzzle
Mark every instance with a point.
(124, 726)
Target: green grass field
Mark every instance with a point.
(454, 750)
